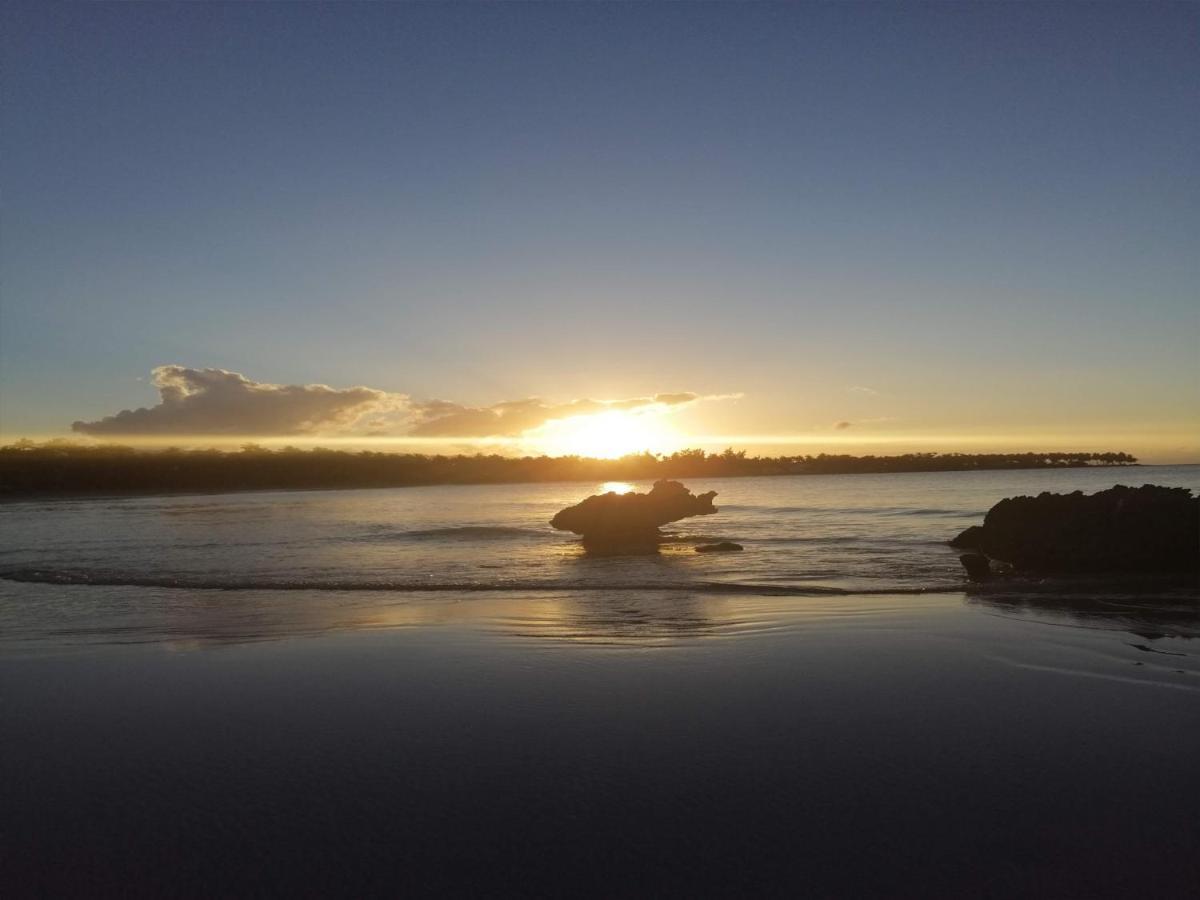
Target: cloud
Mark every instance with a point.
(217, 402)
(214, 401)
(439, 418)
(875, 420)
(862, 389)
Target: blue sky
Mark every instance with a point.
(987, 215)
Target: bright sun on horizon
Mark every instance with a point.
(607, 435)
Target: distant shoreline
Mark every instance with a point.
(46, 475)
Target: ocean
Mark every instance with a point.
(257, 565)
(429, 691)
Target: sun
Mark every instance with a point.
(606, 435)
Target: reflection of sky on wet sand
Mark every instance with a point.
(1150, 646)
(81, 615)
(1166, 613)
(1081, 636)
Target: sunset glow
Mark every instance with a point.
(607, 435)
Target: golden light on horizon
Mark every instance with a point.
(606, 435)
(613, 433)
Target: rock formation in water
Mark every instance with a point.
(631, 521)
(1150, 529)
(720, 547)
(969, 538)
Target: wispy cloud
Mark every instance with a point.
(439, 418)
(874, 420)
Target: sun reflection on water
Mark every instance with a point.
(616, 487)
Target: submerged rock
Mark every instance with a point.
(630, 522)
(719, 547)
(1123, 529)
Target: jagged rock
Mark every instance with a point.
(630, 522)
(1122, 529)
(720, 547)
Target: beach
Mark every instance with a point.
(780, 722)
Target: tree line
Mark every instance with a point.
(61, 467)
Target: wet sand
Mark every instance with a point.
(909, 746)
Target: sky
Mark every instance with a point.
(788, 228)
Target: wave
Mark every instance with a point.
(209, 583)
(852, 510)
(865, 540)
(454, 533)
(675, 538)
(1173, 589)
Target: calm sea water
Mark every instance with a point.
(250, 565)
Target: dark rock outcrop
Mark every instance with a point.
(630, 522)
(969, 538)
(977, 565)
(720, 547)
(1149, 529)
